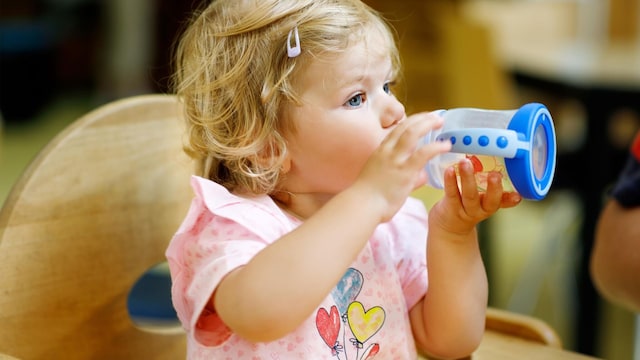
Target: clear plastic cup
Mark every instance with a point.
(520, 144)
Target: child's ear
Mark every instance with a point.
(264, 158)
(286, 164)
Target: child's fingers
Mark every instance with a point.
(407, 133)
(451, 190)
(510, 199)
(429, 151)
(403, 145)
(492, 200)
(468, 187)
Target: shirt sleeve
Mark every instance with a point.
(220, 233)
(627, 188)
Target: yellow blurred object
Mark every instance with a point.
(449, 59)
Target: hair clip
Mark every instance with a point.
(295, 50)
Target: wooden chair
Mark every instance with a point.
(524, 331)
(94, 211)
(522, 326)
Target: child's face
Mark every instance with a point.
(347, 109)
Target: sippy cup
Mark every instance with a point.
(520, 144)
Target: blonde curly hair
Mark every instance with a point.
(235, 79)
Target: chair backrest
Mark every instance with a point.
(94, 210)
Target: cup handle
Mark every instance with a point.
(485, 141)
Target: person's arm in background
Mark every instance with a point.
(615, 259)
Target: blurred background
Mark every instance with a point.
(581, 58)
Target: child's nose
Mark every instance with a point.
(392, 112)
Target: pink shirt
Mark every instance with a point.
(366, 314)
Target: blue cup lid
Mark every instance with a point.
(532, 169)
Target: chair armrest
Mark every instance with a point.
(523, 326)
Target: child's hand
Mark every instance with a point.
(461, 209)
(396, 168)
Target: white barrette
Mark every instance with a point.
(293, 51)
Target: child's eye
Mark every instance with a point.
(356, 100)
(387, 87)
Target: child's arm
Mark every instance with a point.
(449, 321)
(284, 283)
(281, 286)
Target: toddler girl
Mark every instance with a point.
(302, 241)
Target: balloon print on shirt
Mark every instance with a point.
(350, 314)
(328, 324)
